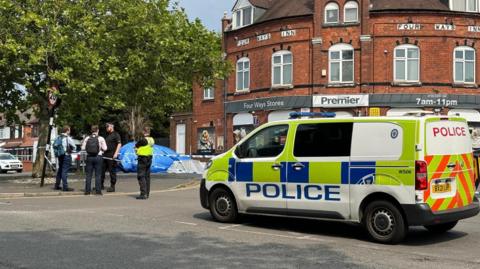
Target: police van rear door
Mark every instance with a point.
(317, 172)
(449, 159)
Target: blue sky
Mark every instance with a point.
(210, 12)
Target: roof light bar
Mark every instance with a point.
(296, 115)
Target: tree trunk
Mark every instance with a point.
(42, 142)
(135, 122)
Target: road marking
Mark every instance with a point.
(230, 226)
(186, 223)
(5, 203)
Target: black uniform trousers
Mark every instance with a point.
(143, 174)
(110, 166)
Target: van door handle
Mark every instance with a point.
(276, 166)
(451, 165)
(298, 166)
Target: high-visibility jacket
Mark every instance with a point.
(146, 150)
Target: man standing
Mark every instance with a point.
(95, 146)
(144, 149)
(63, 147)
(114, 143)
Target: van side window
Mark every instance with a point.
(267, 143)
(376, 141)
(323, 140)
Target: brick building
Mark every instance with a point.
(356, 58)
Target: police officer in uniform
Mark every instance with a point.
(144, 149)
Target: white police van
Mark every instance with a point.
(385, 173)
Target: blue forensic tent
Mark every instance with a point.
(163, 158)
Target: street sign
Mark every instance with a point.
(52, 97)
(374, 112)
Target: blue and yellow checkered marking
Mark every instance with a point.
(320, 173)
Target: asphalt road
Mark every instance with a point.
(171, 230)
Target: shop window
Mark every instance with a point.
(323, 140)
(351, 12)
(243, 17)
(208, 94)
(407, 63)
(331, 13)
(282, 68)
(341, 63)
(243, 74)
(464, 65)
(267, 143)
(464, 5)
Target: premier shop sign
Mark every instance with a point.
(337, 101)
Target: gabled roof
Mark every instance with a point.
(287, 8)
(405, 5)
(265, 4)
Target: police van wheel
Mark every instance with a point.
(384, 222)
(441, 228)
(223, 206)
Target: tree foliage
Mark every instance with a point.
(136, 59)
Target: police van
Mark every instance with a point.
(385, 173)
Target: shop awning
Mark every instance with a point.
(470, 115)
(399, 112)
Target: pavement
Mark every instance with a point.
(126, 184)
(171, 230)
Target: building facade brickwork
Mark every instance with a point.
(357, 58)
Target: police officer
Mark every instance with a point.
(144, 149)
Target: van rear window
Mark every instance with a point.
(448, 138)
(323, 140)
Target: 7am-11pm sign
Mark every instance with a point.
(359, 100)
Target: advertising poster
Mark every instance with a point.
(206, 141)
(240, 131)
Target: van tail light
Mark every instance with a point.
(421, 178)
(78, 157)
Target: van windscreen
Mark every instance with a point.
(447, 137)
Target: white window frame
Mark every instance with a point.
(463, 61)
(243, 72)
(5, 132)
(350, 5)
(467, 6)
(239, 13)
(282, 65)
(340, 48)
(209, 93)
(332, 6)
(395, 58)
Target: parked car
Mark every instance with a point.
(8, 162)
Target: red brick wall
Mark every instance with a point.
(373, 59)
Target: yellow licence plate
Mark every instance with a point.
(442, 188)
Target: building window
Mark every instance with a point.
(208, 94)
(331, 13)
(341, 63)
(282, 68)
(351, 12)
(464, 65)
(243, 17)
(4, 132)
(407, 62)
(464, 5)
(243, 74)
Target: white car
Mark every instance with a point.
(8, 162)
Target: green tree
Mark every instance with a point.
(136, 57)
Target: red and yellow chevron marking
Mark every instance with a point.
(464, 178)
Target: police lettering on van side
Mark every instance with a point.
(308, 192)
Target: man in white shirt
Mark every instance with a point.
(95, 146)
